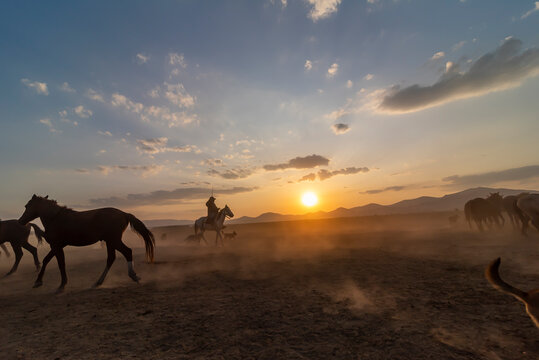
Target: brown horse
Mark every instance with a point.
(64, 226)
(484, 210)
(509, 206)
(17, 235)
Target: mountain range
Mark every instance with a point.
(421, 204)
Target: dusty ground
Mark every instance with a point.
(400, 287)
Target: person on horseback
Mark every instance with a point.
(212, 211)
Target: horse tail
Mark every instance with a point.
(141, 229)
(40, 234)
(493, 277)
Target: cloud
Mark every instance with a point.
(308, 65)
(47, 122)
(66, 88)
(120, 100)
(322, 8)
(458, 45)
(438, 55)
(389, 188)
(39, 87)
(349, 84)
(177, 59)
(159, 145)
(332, 71)
(504, 68)
(231, 174)
(528, 13)
(94, 95)
(82, 112)
(306, 162)
(324, 174)
(142, 59)
(146, 170)
(176, 94)
(368, 77)
(154, 93)
(104, 133)
(340, 129)
(163, 196)
(487, 178)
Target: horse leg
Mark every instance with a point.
(111, 256)
(128, 254)
(18, 255)
(60, 258)
(5, 249)
(32, 250)
(46, 259)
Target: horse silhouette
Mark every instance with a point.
(64, 226)
(17, 235)
(484, 210)
(201, 226)
(528, 209)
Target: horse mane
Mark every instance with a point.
(55, 203)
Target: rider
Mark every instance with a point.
(212, 210)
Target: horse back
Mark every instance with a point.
(95, 223)
(529, 204)
(11, 230)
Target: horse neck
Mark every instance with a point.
(221, 217)
(49, 213)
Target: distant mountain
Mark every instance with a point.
(421, 204)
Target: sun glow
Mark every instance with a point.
(309, 199)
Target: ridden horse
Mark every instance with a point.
(17, 235)
(217, 226)
(528, 209)
(484, 210)
(64, 226)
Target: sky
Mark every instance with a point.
(147, 106)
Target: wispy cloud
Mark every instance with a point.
(39, 87)
(142, 59)
(389, 188)
(322, 9)
(368, 77)
(493, 177)
(528, 13)
(160, 145)
(177, 59)
(324, 174)
(65, 87)
(145, 170)
(82, 112)
(231, 174)
(504, 68)
(94, 95)
(176, 94)
(458, 45)
(340, 128)
(306, 162)
(166, 196)
(48, 123)
(308, 65)
(438, 55)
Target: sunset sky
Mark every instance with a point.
(145, 105)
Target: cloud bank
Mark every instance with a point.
(306, 162)
(324, 174)
(492, 177)
(506, 67)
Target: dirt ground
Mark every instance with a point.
(387, 287)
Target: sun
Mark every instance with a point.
(309, 199)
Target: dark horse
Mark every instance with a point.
(64, 226)
(17, 235)
(484, 210)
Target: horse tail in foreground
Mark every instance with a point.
(40, 234)
(530, 299)
(141, 229)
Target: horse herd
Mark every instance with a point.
(520, 209)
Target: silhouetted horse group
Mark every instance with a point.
(64, 226)
(521, 209)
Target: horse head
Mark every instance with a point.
(34, 208)
(228, 212)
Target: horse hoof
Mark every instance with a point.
(134, 277)
(37, 284)
(96, 285)
(59, 290)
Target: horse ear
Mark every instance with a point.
(33, 197)
(46, 197)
